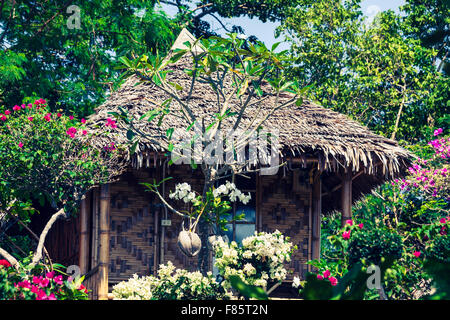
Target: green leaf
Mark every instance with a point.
(133, 147)
(246, 290)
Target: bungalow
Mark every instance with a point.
(123, 230)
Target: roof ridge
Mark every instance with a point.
(186, 36)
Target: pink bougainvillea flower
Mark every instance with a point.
(58, 279)
(319, 277)
(41, 295)
(71, 132)
(16, 108)
(20, 144)
(110, 122)
(443, 231)
(326, 274)
(24, 284)
(52, 296)
(34, 289)
(44, 282)
(83, 288)
(110, 147)
(333, 281)
(417, 254)
(30, 118)
(37, 280)
(50, 275)
(30, 106)
(22, 106)
(48, 117)
(58, 115)
(83, 120)
(438, 131)
(349, 222)
(71, 117)
(3, 118)
(5, 263)
(346, 235)
(84, 132)
(7, 112)
(40, 101)
(361, 225)
(443, 220)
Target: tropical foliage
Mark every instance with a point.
(171, 284)
(407, 222)
(38, 283)
(260, 261)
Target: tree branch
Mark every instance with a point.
(10, 258)
(38, 254)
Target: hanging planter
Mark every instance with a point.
(189, 243)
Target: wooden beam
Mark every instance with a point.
(84, 234)
(336, 188)
(317, 210)
(346, 196)
(104, 242)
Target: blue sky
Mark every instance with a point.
(265, 31)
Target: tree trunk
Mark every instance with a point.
(203, 256)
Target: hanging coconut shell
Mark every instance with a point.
(189, 243)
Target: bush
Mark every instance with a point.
(259, 261)
(407, 220)
(374, 244)
(38, 284)
(171, 284)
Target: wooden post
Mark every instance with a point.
(346, 196)
(317, 210)
(104, 242)
(95, 215)
(156, 242)
(84, 234)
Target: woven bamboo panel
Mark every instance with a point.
(287, 210)
(132, 227)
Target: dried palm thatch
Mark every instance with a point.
(307, 133)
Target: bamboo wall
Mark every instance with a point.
(286, 206)
(284, 203)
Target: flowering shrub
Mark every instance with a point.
(431, 175)
(135, 288)
(259, 261)
(407, 220)
(171, 284)
(36, 284)
(44, 156)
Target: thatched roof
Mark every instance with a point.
(306, 132)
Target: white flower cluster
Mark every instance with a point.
(135, 288)
(258, 261)
(183, 192)
(171, 283)
(229, 189)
